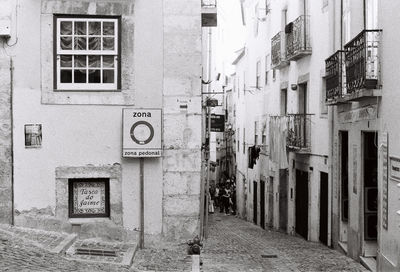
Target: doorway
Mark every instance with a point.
(344, 175)
(262, 204)
(255, 202)
(370, 185)
(323, 208)
(283, 200)
(302, 203)
(271, 202)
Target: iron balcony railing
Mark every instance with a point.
(298, 38)
(278, 52)
(363, 61)
(299, 131)
(335, 76)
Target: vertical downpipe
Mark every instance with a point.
(12, 137)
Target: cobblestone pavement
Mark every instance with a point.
(237, 245)
(168, 258)
(17, 255)
(233, 245)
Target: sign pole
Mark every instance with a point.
(141, 162)
(208, 175)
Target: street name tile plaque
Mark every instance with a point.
(89, 197)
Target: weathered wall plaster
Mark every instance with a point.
(5, 141)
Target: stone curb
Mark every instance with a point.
(126, 261)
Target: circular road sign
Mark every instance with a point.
(142, 132)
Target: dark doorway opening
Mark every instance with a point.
(271, 202)
(302, 203)
(323, 208)
(262, 204)
(255, 202)
(370, 185)
(344, 175)
(283, 200)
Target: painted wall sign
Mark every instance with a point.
(385, 169)
(89, 197)
(141, 133)
(217, 123)
(355, 158)
(395, 168)
(365, 113)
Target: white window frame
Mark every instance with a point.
(115, 52)
(258, 74)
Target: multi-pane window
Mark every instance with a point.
(267, 65)
(267, 6)
(87, 53)
(256, 133)
(258, 74)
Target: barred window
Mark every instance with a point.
(87, 53)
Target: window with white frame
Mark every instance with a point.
(258, 74)
(87, 53)
(267, 65)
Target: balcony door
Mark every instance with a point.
(302, 98)
(303, 109)
(371, 14)
(283, 102)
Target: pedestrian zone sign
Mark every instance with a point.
(141, 133)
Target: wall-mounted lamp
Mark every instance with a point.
(293, 87)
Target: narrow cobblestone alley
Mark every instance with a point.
(237, 245)
(233, 245)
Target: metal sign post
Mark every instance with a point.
(141, 138)
(141, 242)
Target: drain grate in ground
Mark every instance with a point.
(269, 256)
(104, 252)
(96, 252)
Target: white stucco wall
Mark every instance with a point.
(163, 56)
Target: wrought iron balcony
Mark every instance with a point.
(209, 13)
(335, 76)
(299, 132)
(363, 61)
(298, 38)
(278, 50)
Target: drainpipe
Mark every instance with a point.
(12, 137)
(332, 123)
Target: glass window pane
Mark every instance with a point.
(108, 43)
(80, 28)
(80, 61)
(66, 61)
(94, 76)
(94, 61)
(94, 43)
(66, 28)
(66, 43)
(66, 76)
(108, 28)
(108, 76)
(108, 61)
(80, 43)
(79, 76)
(94, 28)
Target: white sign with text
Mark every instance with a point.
(141, 133)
